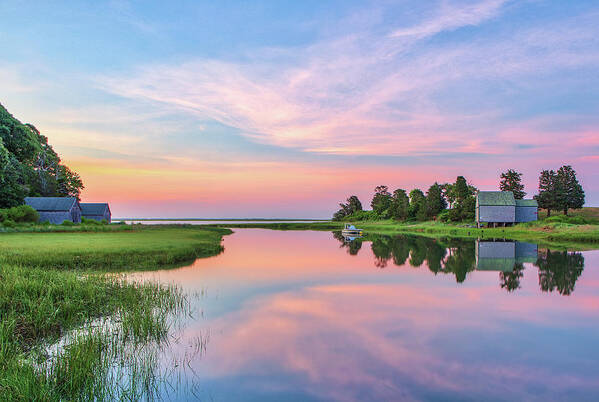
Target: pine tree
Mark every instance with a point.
(569, 191)
(512, 181)
(461, 189)
(547, 197)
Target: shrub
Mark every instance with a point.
(9, 223)
(455, 215)
(443, 216)
(573, 220)
(363, 216)
(67, 223)
(86, 221)
(20, 214)
(104, 221)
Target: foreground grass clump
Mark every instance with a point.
(39, 306)
(141, 247)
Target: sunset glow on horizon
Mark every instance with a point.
(284, 109)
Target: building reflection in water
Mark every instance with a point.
(503, 256)
(558, 271)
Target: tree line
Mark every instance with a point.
(415, 205)
(29, 166)
(558, 191)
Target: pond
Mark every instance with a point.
(304, 315)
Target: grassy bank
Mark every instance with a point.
(324, 225)
(556, 235)
(70, 228)
(55, 286)
(139, 247)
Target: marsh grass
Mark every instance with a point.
(64, 336)
(70, 330)
(48, 228)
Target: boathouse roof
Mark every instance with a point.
(527, 203)
(94, 208)
(51, 204)
(496, 198)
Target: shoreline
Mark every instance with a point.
(561, 236)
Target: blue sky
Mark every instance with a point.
(286, 108)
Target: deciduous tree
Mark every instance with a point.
(12, 189)
(435, 202)
(417, 205)
(400, 205)
(381, 201)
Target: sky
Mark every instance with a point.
(286, 108)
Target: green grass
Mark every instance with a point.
(47, 228)
(589, 213)
(145, 247)
(55, 285)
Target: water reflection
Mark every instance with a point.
(301, 316)
(558, 270)
(352, 243)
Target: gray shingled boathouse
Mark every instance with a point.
(501, 208)
(56, 210)
(96, 211)
(527, 210)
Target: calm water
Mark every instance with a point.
(206, 222)
(304, 316)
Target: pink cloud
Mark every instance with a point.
(364, 94)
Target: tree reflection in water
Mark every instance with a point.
(353, 246)
(510, 281)
(558, 270)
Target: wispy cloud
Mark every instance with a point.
(452, 16)
(369, 94)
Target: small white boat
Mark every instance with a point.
(351, 230)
